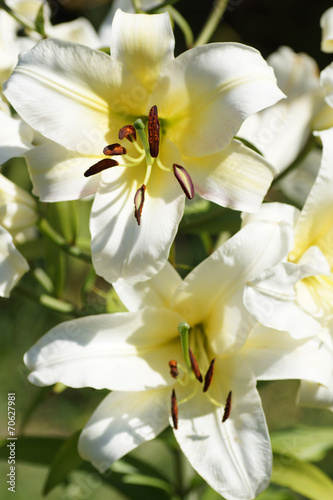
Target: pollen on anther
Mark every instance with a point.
(100, 166)
(153, 132)
(127, 132)
(173, 368)
(227, 408)
(209, 375)
(139, 200)
(174, 409)
(114, 149)
(194, 365)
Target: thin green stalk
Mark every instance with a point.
(48, 231)
(161, 6)
(213, 20)
(183, 25)
(17, 18)
(48, 301)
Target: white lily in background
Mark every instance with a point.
(194, 104)
(18, 210)
(12, 264)
(308, 269)
(14, 39)
(281, 131)
(218, 423)
(326, 24)
(16, 136)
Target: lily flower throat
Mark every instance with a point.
(148, 152)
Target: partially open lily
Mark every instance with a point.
(84, 101)
(12, 264)
(180, 356)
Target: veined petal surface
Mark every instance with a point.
(207, 92)
(121, 351)
(235, 177)
(123, 421)
(120, 247)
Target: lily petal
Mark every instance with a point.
(275, 355)
(121, 248)
(156, 292)
(72, 78)
(12, 264)
(221, 278)
(145, 50)
(57, 174)
(235, 177)
(271, 297)
(122, 422)
(314, 395)
(15, 137)
(121, 351)
(208, 91)
(234, 457)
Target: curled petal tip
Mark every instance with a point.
(184, 179)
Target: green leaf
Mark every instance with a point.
(33, 449)
(66, 459)
(273, 494)
(302, 477)
(303, 442)
(39, 21)
(210, 218)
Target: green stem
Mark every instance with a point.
(212, 22)
(183, 25)
(48, 301)
(311, 143)
(48, 231)
(179, 473)
(160, 7)
(17, 18)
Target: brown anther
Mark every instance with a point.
(174, 409)
(195, 366)
(127, 132)
(209, 375)
(114, 149)
(139, 200)
(153, 132)
(184, 179)
(227, 408)
(173, 368)
(99, 166)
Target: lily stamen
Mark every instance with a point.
(174, 409)
(127, 132)
(173, 368)
(227, 408)
(195, 366)
(139, 199)
(100, 166)
(153, 132)
(209, 376)
(184, 179)
(114, 149)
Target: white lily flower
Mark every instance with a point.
(14, 39)
(18, 211)
(12, 264)
(281, 131)
(194, 104)
(219, 423)
(326, 24)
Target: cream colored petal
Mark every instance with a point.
(80, 31)
(143, 45)
(15, 137)
(326, 24)
(315, 223)
(156, 292)
(18, 209)
(121, 249)
(314, 395)
(275, 355)
(206, 93)
(12, 264)
(234, 456)
(123, 421)
(273, 212)
(235, 177)
(69, 92)
(120, 351)
(213, 292)
(57, 174)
